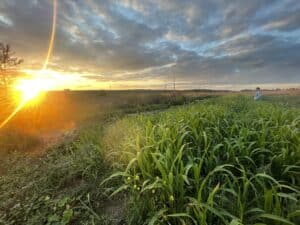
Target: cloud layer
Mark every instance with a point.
(205, 43)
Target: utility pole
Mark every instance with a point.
(174, 79)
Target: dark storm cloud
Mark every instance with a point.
(210, 42)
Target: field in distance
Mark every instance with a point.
(54, 114)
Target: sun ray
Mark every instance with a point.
(17, 109)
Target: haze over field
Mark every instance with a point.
(140, 44)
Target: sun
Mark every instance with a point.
(28, 92)
(31, 89)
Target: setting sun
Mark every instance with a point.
(31, 88)
(28, 90)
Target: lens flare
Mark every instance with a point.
(19, 107)
(30, 89)
(52, 37)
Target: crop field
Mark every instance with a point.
(190, 160)
(57, 113)
(70, 167)
(224, 161)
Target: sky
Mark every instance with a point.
(133, 44)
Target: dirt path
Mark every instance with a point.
(50, 139)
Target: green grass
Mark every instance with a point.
(56, 112)
(285, 100)
(61, 186)
(224, 161)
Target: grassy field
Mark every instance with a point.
(225, 160)
(61, 183)
(56, 113)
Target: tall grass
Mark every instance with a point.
(62, 184)
(57, 112)
(224, 161)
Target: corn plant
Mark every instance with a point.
(222, 161)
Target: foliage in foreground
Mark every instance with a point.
(226, 161)
(61, 187)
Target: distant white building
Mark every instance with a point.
(258, 94)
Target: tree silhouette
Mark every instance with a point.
(8, 64)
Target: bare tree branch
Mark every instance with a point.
(8, 65)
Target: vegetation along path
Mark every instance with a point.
(227, 160)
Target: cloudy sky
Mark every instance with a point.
(141, 44)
